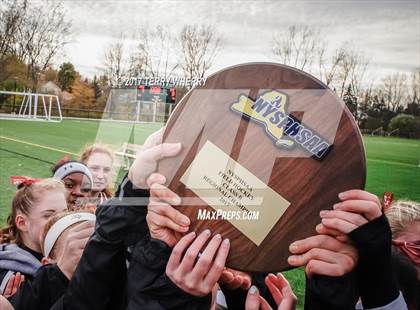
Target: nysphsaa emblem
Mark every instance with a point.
(270, 111)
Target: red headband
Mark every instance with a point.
(22, 180)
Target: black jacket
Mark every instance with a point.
(100, 279)
(42, 291)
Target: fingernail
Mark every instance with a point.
(192, 233)
(291, 259)
(293, 247)
(185, 221)
(207, 232)
(253, 290)
(323, 212)
(176, 200)
(218, 236)
(226, 241)
(342, 195)
(336, 206)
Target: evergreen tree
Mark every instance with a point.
(66, 76)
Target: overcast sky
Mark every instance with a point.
(388, 32)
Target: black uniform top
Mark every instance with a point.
(374, 278)
(42, 291)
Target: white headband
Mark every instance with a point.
(72, 167)
(61, 225)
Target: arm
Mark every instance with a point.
(360, 216)
(148, 285)
(48, 284)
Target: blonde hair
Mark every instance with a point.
(54, 219)
(98, 147)
(401, 213)
(23, 201)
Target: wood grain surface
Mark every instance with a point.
(309, 185)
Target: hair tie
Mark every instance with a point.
(387, 200)
(23, 181)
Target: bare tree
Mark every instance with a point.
(328, 69)
(299, 46)
(350, 67)
(114, 63)
(11, 14)
(42, 33)
(415, 86)
(155, 54)
(394, 87)
(198, 46)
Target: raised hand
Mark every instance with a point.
(193, 272)
(324, 255)
(233, 279)
(279, 288)
(148, 157)
(13, 284)
(165, 222)
(356, 208)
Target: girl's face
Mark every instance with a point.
(50, 203)
(77, 186)
(100, 164)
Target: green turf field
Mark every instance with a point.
(392, 164)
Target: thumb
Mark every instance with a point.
(161, 151)
(252, 301)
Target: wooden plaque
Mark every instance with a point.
(265, 148)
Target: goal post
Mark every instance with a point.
(36, 106)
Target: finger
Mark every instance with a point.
(155, 178)
(178, 251)
(319, 254)
(16, 283)
(158, 152)
(227, 277)
(264, 305)
(320, 267)
(350, 217)
(357, 194)
(246, 282)
(22, 279)
(191, 254)
(339, 224)
(274, 288)
(154, 139)
(289, 298)
(79, 244)
(161, 192)
(204, 262)
(252, 301)
(82, 226)
(368, 209)
(169, 212)
(317, 241)
(323, 230)
(81, 234)
(218, 264)
(9, 287)
(157, 221)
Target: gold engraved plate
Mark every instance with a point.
(235, 194)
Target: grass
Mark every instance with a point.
(392, 163)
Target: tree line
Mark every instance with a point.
(34, 34)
